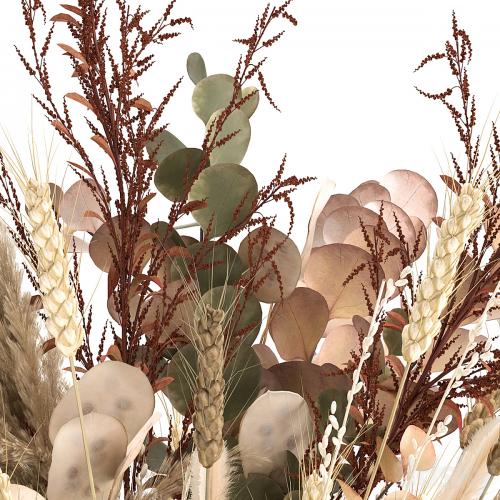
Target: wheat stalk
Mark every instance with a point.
(435, 290)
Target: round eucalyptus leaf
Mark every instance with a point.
(251, 105)
(219, 265)
(243, 314)
(256, 486)
(242, 377)
(163, 145)
(174, 176)
(212, 93)
(229, 191)
(196, 67)
(183, 369)
(234, 149)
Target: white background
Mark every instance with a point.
(343, 78)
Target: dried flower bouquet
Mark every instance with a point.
(379, 324)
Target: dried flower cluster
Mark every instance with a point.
(180, 396)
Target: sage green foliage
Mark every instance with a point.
(174, 239)
(256, 486)
(250, 106)
(229, 191)
(234, 150)
(241, 376)
(155, 455)
(219, 265)
(242, 313)
(165, 144)
(393, 336)
(212, 93)
(196, 67)
(176, 172)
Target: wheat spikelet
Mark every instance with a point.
(493, 462)
(59, 298)
(209, 396)
(479, 415)
(435, 290)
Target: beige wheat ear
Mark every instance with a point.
(209, 397)
(436, 288)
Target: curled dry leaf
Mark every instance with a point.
(314, 227)
(77, 203)
(277, 277)
(107, 443)
(414, 434)
(112, 388)
(298, 323)
(327, 271)
(413, 193)
(275, 422)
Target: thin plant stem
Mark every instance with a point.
(488, 484)
(387, 431)
(84, 438)
(208, 484)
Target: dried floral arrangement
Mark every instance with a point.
(381, 351)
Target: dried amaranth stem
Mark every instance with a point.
(209, 398)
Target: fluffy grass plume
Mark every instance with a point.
(30, 381)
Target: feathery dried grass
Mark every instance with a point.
(471, 473)
(30, 381)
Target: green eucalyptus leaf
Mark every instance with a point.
(234, 149)
(165, 144)
(250, 106)
(229, 191)
(242, 377)
(183, 369)
(256, 486)
(212, 93)
(174, 239)
(156, 455)
(196, 67)
(243, 314)
(174, 176)
(220, 264)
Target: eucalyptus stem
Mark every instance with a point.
(387, 431)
